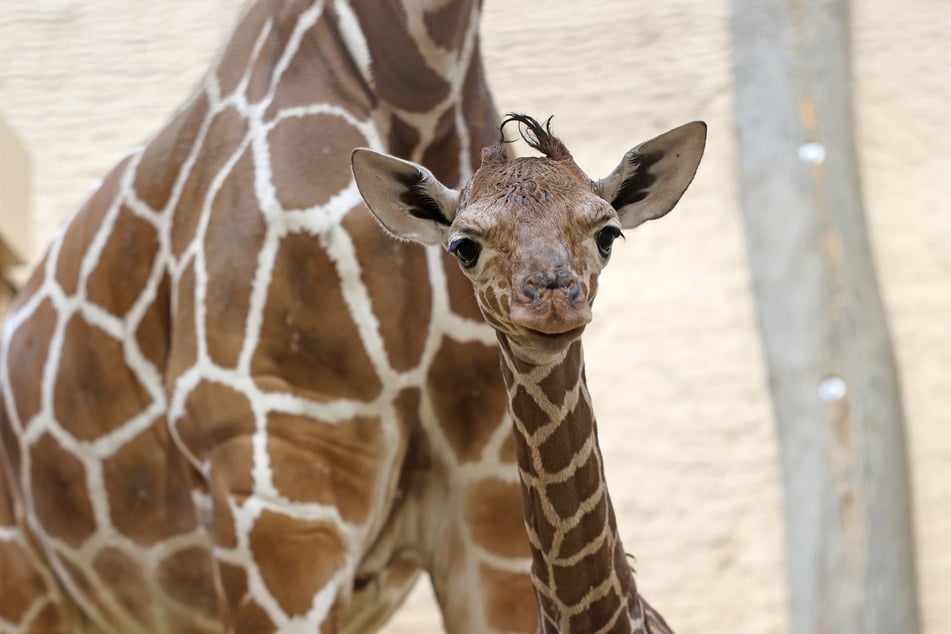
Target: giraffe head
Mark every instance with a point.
(533, 233)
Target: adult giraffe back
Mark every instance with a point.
(228, 401)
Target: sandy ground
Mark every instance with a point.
(674, 357)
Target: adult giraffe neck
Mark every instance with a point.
(583, 580)
(421, 62)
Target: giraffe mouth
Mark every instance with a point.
(551, 319)
(566, 336)
(551, 334)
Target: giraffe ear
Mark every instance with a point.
(405, 197)
(654, 175)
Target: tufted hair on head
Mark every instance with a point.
(538, 136)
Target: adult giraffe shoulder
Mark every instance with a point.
(533, 234)
(229, 400)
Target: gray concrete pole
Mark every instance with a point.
(832, 374)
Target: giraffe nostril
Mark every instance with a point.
(537, 284)
(531, 289)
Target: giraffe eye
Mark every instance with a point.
(605, 239)
(466, 251)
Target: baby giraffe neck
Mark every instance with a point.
(583, 580)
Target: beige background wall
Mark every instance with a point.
(674, 358)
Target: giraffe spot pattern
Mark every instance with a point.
(444, 26)
(401, 75)
(234, 587)
(28, 351)
(96, 392)
(493, 514)
(503, 590)
(121, 572)
(61, 495)
(158, 169)
(152, 333)
(183, 346)
(125, 264)
(82, 227)
(321, 72)
(605, 609)
(308, 342)
(225, 135)
(236, 56)
(578, 537)
(568, 439)
(296, 557)
(19, 583)
(145, 504)
(581, 490)
(446, 172)
(391, 272)
(235, 219)
(466, 389)
(333, 464)
(184, 577)
(305, 158)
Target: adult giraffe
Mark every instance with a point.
(229, 401)
(533, 234)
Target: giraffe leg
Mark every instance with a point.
(480, 563)
(480, 574)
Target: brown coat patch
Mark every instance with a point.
(161, 161)
(19, 582)
(401, 75)
(29, 348)
(126, 583)
(446, 25)
(60, 492)
(308, 337)
(152, 335)
(146, 488)
(560, 448)
(395, 275)
(186, 577)
(493, 513)
(124, 265)
(296, 557)
(305, 159)
(321, 71)
(235, 233)
(217, 427)
(467, 394)
(506, 608)
(225, 134)
(284, 18)
(236, 56)
(183, 350)
(336, 464)
(445, 144)
(83, 228)
(95, 391)
(584, 486)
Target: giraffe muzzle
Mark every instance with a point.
(551, 303)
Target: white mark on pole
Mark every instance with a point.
(832, 389)
(812, 152)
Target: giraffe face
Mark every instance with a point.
(532, 234)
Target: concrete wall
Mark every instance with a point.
(674, 357)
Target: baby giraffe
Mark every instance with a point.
(533, 235)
